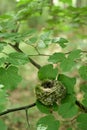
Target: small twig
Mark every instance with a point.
(39, 55)
(83, 51)
(26, 110)
(7, 65)
(37, 50)
(17, 109)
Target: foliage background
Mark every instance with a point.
(67, 20)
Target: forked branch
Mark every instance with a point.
(17, 109)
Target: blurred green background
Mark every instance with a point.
(65, 19)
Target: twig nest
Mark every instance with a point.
(50, 92)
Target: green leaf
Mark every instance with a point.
(61, 41)
(74, 54)
(9, 77)
(83, 88)
(68, 82)
(47, 72)
(2, 125)
(2, 60)
(82, 121)
(45, 39)
(56, 57)
(43, 108)
(16, 58)
(69, 98)
(5, 16)
(68, 110)
(2, 45)
(84, 101)
(46, 109)
(33, 40)
(3, 99)
(55, 107)
(67, 64)
(83, 72)
(48, 123)
(45, 36)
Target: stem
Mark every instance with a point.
(27, 118)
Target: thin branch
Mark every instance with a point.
(16, 47)
(7, 65)
(34, 63)
(37, 50)
(17, 109)
(27, 118)
(82, 108)
(39, 55)
(83, 51)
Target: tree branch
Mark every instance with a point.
(34, 63)
(17, 109)
(34, 104)
(16, 47)
(82, 108)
